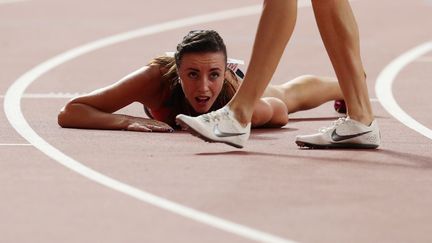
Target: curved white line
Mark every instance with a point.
(12, 1)
(14, 114)
(384, 82)
(15, 144)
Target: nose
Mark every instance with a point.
(203, 84)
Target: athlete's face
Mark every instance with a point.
(202, 76)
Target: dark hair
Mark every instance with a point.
(199, 41)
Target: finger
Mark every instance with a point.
(161, 129)
(139, 128)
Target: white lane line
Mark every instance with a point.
(383, 88)
(12, 106)
(51, 95)
(12, 1)
(15, 144)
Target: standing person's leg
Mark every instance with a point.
(274, 30)
(339, 33)
(227, 125)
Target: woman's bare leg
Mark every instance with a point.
(274, 30)
(340, 35)
(305, 92)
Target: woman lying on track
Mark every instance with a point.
(198, 79)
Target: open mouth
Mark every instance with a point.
(202, 99)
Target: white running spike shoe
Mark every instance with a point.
(343, 133)
(216, 127)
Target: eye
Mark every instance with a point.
(193, 75)
(214, 75)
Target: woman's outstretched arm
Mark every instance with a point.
(95, 110)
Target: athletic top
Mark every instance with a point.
(162, 113)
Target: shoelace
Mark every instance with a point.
(215, 116)
(333, 125)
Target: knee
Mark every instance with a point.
(280, 112)
(262, 113)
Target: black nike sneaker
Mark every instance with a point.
(343, 133)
